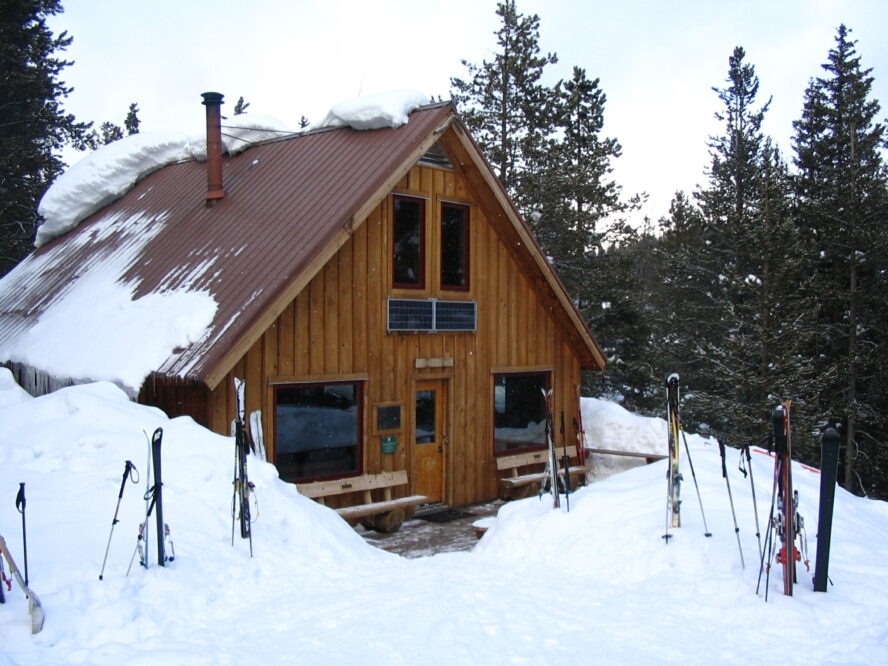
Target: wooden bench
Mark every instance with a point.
(522, 483)
(648, 457)
(384, 515)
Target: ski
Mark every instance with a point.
(786, 518)
(673, 473)
(243, 488)
(550, 474)
(785, 523)
(154, 498)
(4, 581)
(35, 608)
(162, 529)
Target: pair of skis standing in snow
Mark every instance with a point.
(784, 522)
(240, 502)
(555, 481)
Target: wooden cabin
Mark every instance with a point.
(388, 309)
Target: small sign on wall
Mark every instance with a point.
(389, 444)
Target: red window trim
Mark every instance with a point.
(360, 443)
(420, 285)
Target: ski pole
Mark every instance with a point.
(721, 450)
(20, 506)
(769, 538)
(129, 469)
(706, 531)
(743, 468)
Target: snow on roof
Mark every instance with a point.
(386, 109)
(134, 335)
(103, 176)
(108, 173)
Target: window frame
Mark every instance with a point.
(360, 439)
(547, 375)
(421, 283)
(466, 250)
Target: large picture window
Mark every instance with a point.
(454, 247)
(408, 258)
(519, 412)
(318, 430)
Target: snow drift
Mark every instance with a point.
(543, 586)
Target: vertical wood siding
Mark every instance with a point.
(337, 328)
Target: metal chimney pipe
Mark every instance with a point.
(213, 102)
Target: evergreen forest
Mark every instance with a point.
(766, 283)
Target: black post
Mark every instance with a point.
(829, 463)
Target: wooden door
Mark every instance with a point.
(429, 438)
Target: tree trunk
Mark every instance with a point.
(850, 443)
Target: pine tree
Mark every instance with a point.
(131, 122)
(546, 145)
(241, 106)
(579, 221)
(504, 104)
(109, 132)
(568, 184)
(742, 331)
(33, 124)
(842, 189)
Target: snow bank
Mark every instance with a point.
(610, 426)
(387, 109)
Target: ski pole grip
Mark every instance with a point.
(126, 472)
(721, 451)
(20, 498)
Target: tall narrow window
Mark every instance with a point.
(408, 243)
(454, 247)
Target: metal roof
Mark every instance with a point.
(287, 203)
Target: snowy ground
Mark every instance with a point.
(596, 585)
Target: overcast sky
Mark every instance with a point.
(657, 61)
